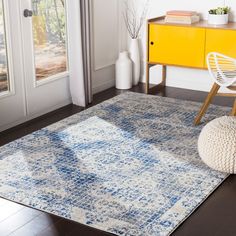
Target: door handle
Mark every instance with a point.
(28, 13)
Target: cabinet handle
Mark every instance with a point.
(152, 43)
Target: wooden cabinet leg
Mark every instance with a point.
(234, 109)
(147, 78)
(164, 69)
(207, 102)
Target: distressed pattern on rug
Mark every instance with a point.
(128, 166)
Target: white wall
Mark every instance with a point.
(179, 77)
(109, 38)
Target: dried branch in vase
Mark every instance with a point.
(133, 19)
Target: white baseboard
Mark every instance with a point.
(103, 79)
(103, 86)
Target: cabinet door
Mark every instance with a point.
(176, 45)
(222, 41)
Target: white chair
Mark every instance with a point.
(223, 71)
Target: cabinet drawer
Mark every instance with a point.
(222, 41)
(177, 45)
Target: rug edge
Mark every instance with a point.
(198, 205)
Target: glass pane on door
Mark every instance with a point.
(49, 32)
(4, 80)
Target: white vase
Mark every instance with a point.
(218, 19)
(135, 57)
(123, 71)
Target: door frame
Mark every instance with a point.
(12, 102)
(9, 52)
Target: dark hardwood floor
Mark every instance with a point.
(215, 217)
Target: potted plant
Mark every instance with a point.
(219, 16)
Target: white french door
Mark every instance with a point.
(45, 53)
(33, 59)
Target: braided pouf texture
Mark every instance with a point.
(217, 144)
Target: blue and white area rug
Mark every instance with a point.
(128, 166)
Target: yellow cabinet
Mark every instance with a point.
(186, 45)
(222, 41)
(176, 45)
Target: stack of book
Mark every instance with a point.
(182, 17)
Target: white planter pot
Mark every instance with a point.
(123, 71)
(135, 57)
(218, 19)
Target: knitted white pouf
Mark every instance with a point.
(217, 144)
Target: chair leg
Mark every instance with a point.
(207, 102)
(234, 109)
(164, 70)
(147, 79)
